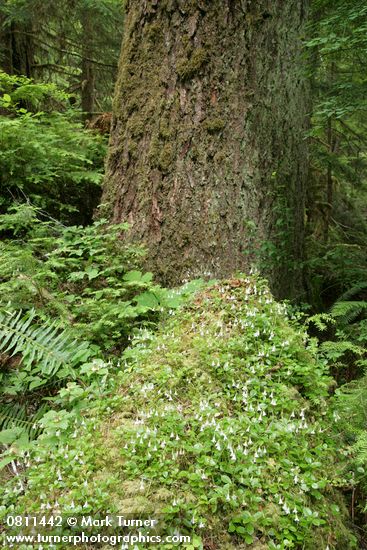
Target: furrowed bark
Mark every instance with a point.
(208, 158)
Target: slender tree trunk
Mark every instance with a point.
(208, 137)
(329, 181)
(331, 141)
(88, 74)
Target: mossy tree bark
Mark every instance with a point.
(207, 155)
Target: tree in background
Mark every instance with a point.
(74, 43)
(58, 58)
(337, 194)
(208, 144)
(47, 157)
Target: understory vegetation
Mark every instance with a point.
(233, 418)
(221, 423)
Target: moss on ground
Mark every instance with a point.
(218, 425)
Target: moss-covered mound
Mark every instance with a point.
(218, 426)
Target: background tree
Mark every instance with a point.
(47, 157)
(208, 137)
(73, 43)
(336, 202)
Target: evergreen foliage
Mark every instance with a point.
(46, 156)
(337, 192)
(73, 43)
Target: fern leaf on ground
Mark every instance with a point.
(48, 346)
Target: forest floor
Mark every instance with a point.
(217, 425)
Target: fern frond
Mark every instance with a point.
(48, 346)
(353, 291)
(347, 311)
(360, 448)
(14, 415)
(335, 350)
(321, 320)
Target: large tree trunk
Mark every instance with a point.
(208, 158)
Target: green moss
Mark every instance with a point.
(219, 157)
(165, 130)
(132, 105)
(166, 157)
(188, 7)
(136, 125)
(160, 154)
(154, 150)
(220, 417)
(213, 125)
(133, 148)
(154, 31)
(194, 153)
(168, 5)
(189, 67)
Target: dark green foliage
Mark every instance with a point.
(73, 43)
(45, 154)
(337, 191)
(84, 276)
(345, 351)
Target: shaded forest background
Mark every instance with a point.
(66, 269)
